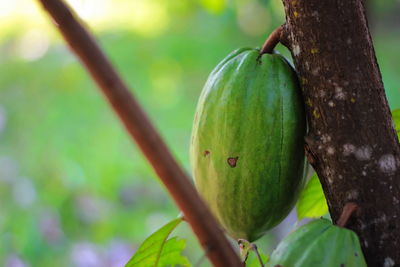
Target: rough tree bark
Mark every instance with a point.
(351, 141)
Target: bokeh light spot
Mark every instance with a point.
(253, 19)
(33, 45)
(214, 6)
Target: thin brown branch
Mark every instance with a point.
(255, 249)
(140, 128)
(272, 41)
(348, 210)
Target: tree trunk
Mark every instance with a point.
(351, 142)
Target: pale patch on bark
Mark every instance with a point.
(326, 138)
(330, 150)
(387, 163)
(389, 262)
(315, 71)
(348, 149)
(339, 94)
(296, 49)
(363, 153)
(353, 194)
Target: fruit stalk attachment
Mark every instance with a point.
(272, 40)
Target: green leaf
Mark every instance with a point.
(244, 249)
(249, 255)
(396, 120)
(312, 202)
(253, 261)
(214, 6)
(159, 251)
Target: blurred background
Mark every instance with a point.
(74, 189)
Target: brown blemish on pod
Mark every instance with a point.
(206, 153)
(232, 161)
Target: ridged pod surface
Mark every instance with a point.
(319, 243)
(247, 142)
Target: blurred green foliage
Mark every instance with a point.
(312, 202)
(160, 250)
(396, 120)
(74, 190)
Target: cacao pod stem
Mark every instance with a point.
(347, 211)
(272, 40)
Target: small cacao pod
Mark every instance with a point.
(247, 142)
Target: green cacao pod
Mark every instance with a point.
(247, 142)
(319, 243)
